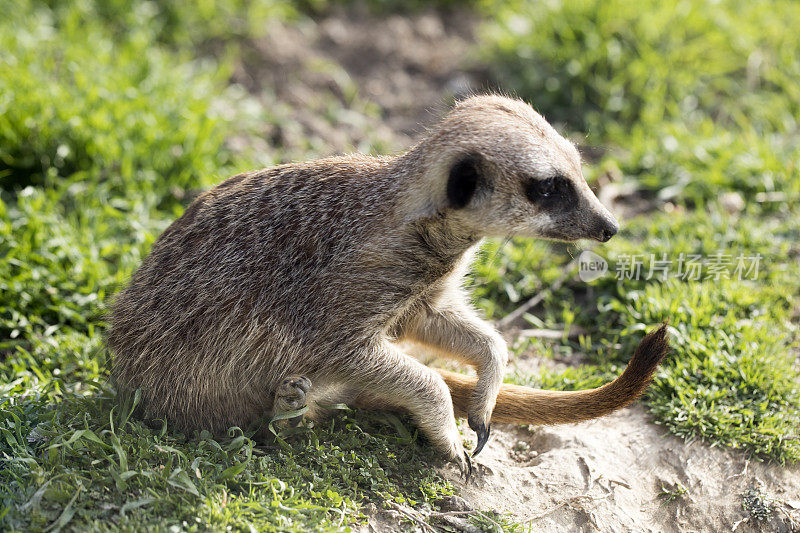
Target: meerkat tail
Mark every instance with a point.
(525, 405)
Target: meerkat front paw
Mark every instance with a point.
(479, 414)
(291, 396)
(456, 453)
(490, 378)
(479, 423)
(465, 466)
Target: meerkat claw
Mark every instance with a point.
(482, 432)
(466, 468)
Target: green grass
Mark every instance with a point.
(123, 115)
(114, 114)
(73, 457)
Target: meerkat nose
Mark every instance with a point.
(609, 229)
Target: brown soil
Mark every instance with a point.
(356, 80)
(617, 473)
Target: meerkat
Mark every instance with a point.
(293, 285)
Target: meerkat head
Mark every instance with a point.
(502, 170)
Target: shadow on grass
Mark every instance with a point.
(79, 460)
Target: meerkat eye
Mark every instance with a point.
(547, 187)
(548, 190)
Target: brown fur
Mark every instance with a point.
(317, 269)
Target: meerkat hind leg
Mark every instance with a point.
(291, 396)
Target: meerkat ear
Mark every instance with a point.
(465, 175)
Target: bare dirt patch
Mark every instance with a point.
(623, 473)
(357, 80)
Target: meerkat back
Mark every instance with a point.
(244, 283)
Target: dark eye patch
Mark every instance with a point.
(549, 192)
